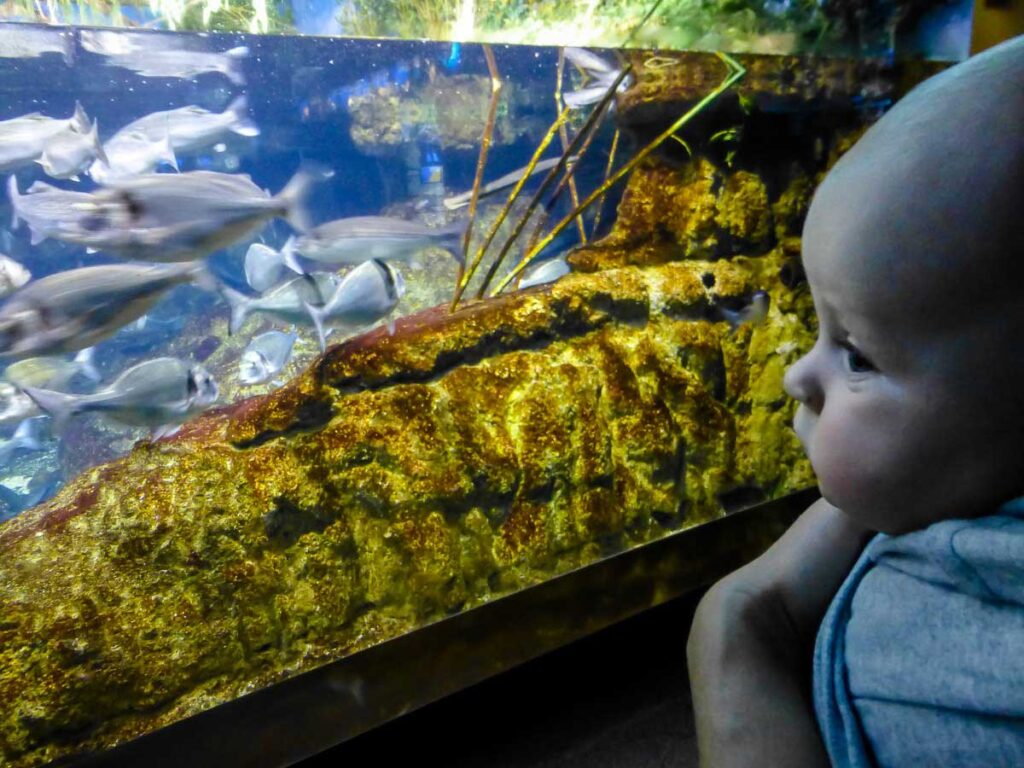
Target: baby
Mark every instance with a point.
(911, 410)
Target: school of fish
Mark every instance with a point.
(160, 226)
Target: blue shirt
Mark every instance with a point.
(919, 660)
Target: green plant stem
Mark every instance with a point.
(736, 73)
(513, 196)
(563, 136)
(485, 146)
(552, 174)
(607, 172)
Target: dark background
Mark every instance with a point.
(617, 699)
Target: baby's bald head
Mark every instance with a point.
(934, 192)
(912, 406)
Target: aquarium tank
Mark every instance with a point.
(313, 337)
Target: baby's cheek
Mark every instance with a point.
(846, 464)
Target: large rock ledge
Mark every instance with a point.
(400, 479)
(405, 477)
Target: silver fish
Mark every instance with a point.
(192, 128)
(12, 275)
(46, 209)
(29, 436)
(183, 217)
(180, 63)
(368, 293)
(131, 154)
(23, 139)
(266, 354)
(52, 372)
(286, 302)
(156, 393)
(754, 312)
(72, 310)
(40, 125)
(70, 153)
(547, 272)
(263, 267)
(20, 41)
(358, 239)
(504, 182)
(600, 76)
(15, 405)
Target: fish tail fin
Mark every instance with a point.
(15, 197)
(584, 96)
(293, 197)
(98, 151)
(317, 315)
(40, 487)
(37, 235)
(233, 64)
(60, 405)
(13, 501)
(239, 304)
(31, 433)
(290, 257)
(204, 278)
(241, 123)
(589, 62)
(86, 360)
(452, 236)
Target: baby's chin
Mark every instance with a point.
(876, 513)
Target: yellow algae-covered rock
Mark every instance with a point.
(400, 479)
(403, 477)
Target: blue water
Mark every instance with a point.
(298, 90)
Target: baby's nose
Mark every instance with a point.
(802, 383)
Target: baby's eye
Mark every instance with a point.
(855, 361)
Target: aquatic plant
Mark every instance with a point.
(485, 146)
(736, 73)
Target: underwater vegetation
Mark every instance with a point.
(481, 447)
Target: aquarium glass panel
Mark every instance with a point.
(309, 343)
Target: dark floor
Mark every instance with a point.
(618, 699)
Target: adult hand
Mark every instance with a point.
(751, 643)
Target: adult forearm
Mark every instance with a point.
(750, 691)
(750, 646)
